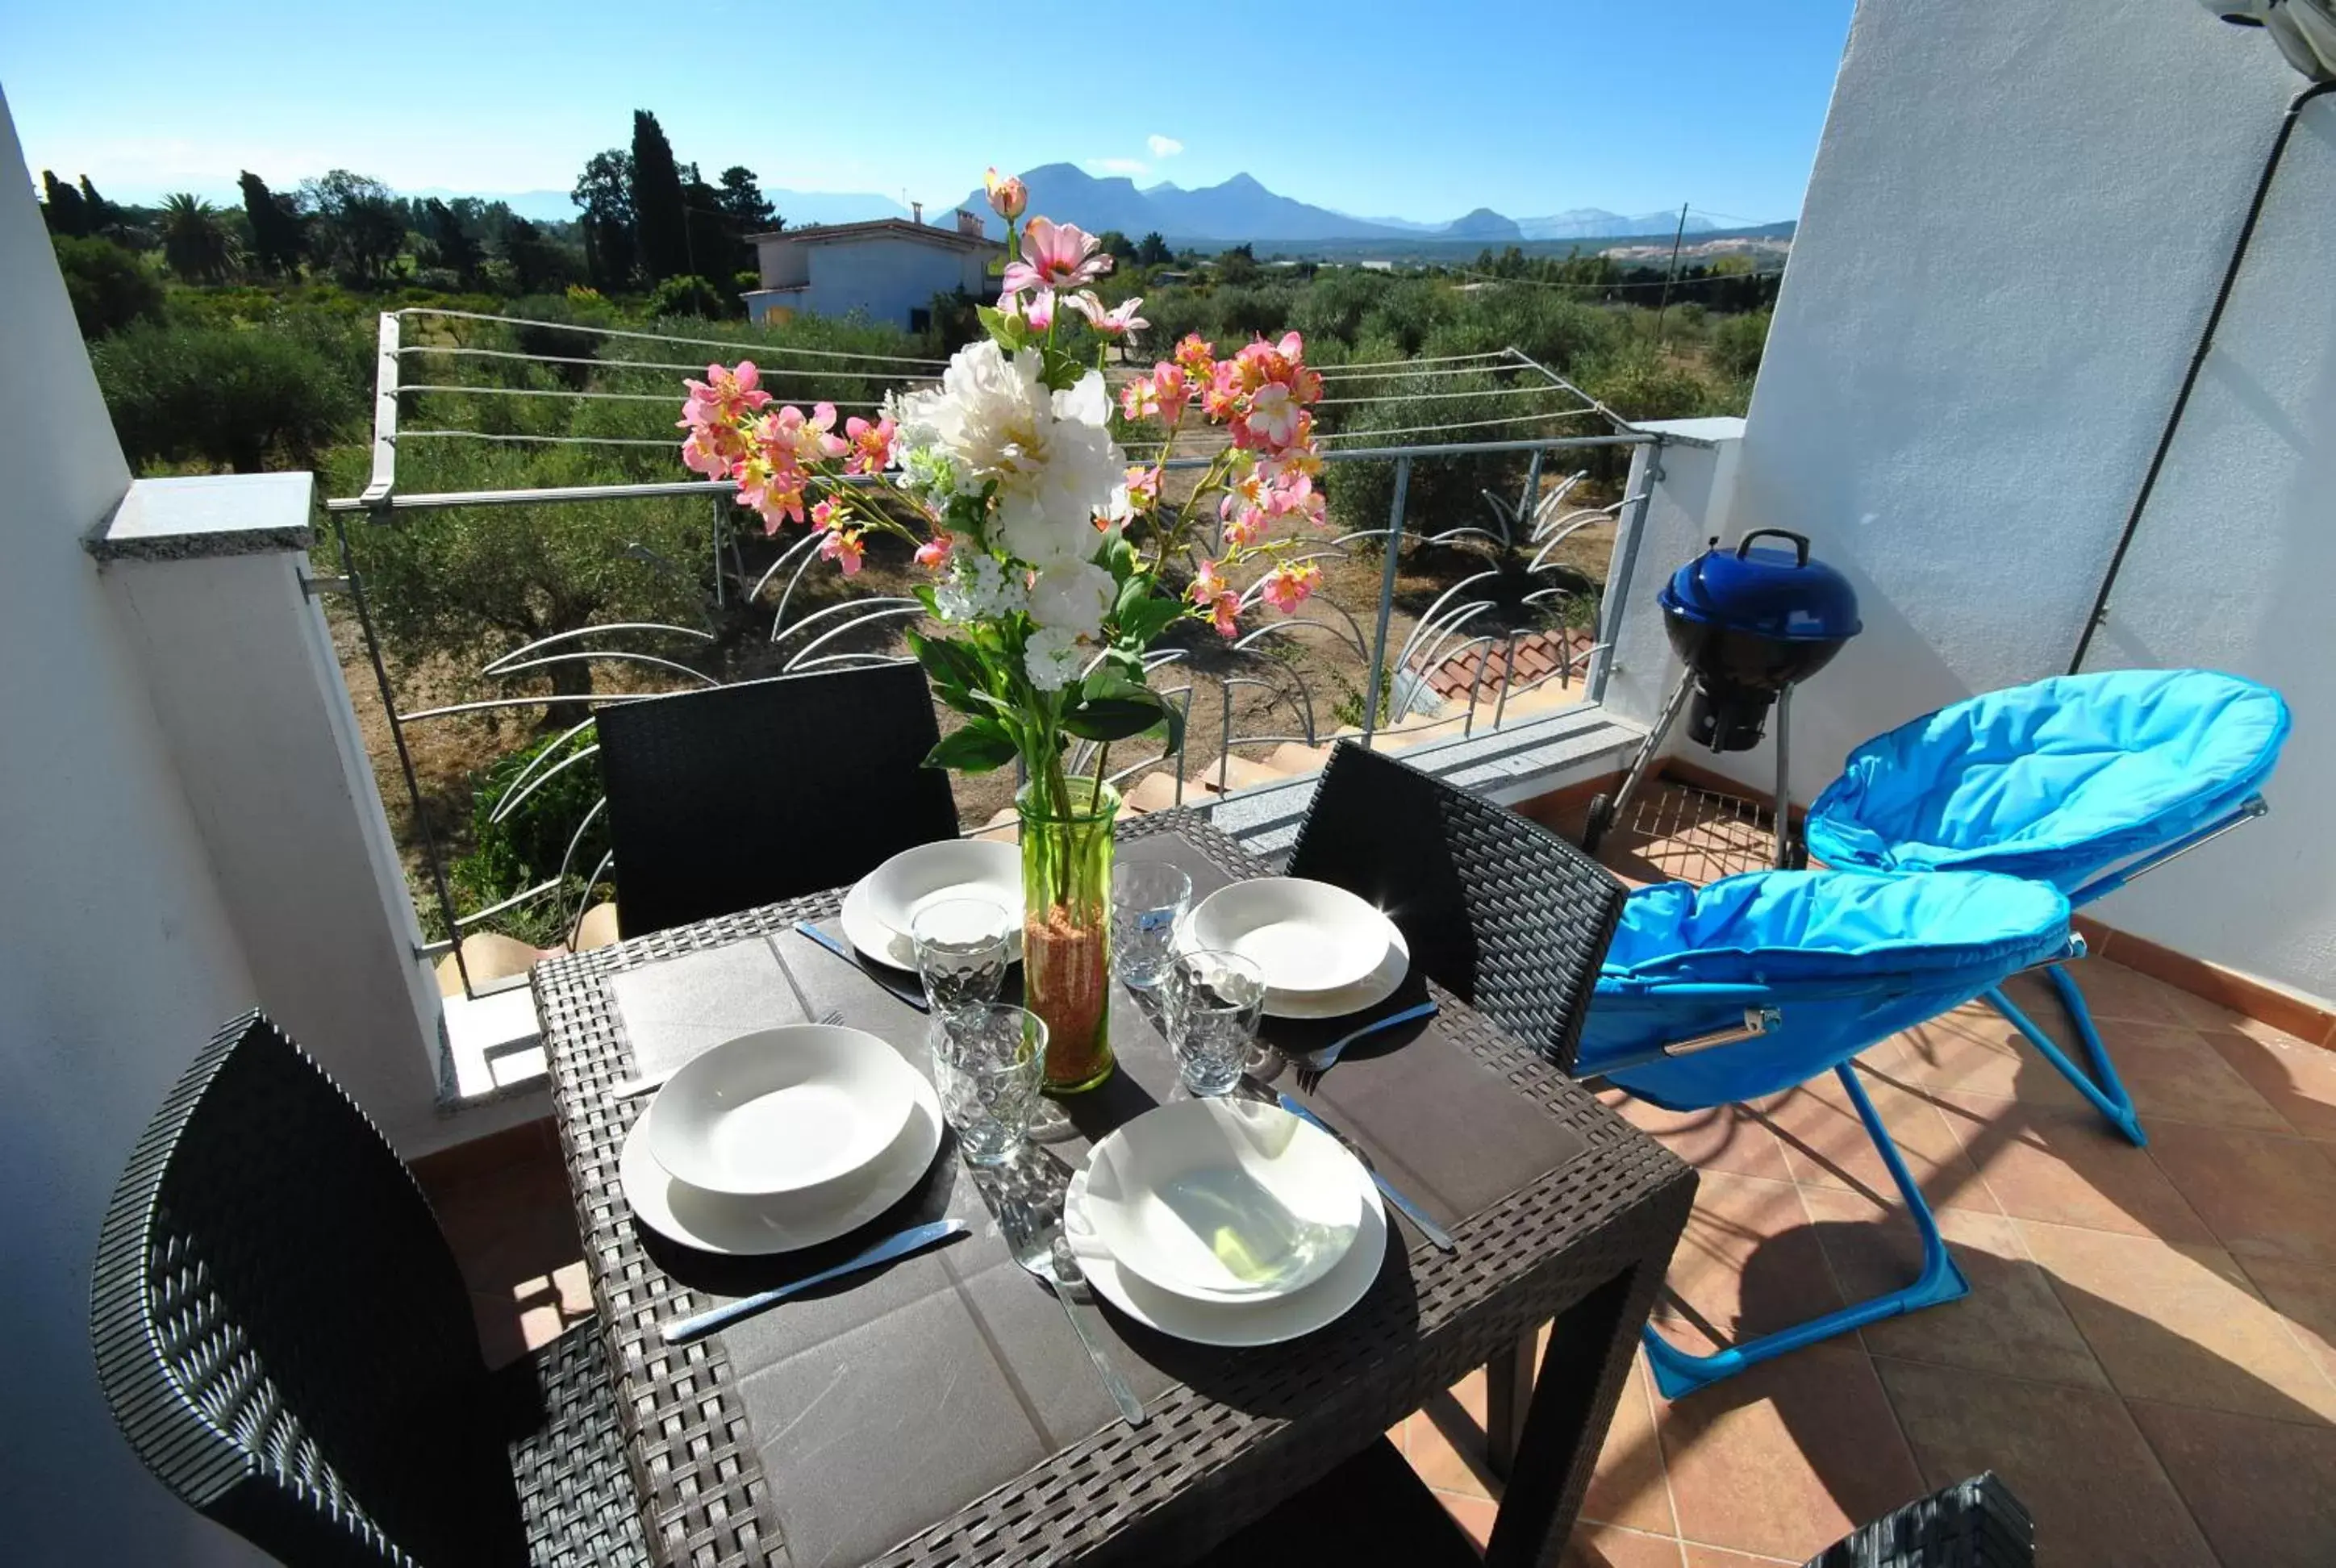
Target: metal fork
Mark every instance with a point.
(1314, 1064)
(647, 1082)
(1036, 1239)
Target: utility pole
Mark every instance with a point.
(1664, 307)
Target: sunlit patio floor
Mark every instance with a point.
(2147, 1355)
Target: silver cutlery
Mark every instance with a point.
(1314, 1064)
(649, 1082)
(681, 1330)
(1037, 1244)
(913, 995)
(1428, 1228)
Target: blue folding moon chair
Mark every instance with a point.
(2084, 782)
(1726, 993)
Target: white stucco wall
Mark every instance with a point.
(116, 957)
(2018, 220)
(886, 277)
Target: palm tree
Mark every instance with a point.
(195, 238)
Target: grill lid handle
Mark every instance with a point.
(1800, 542)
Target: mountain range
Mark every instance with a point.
(1241, 209)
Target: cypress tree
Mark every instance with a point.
(63, 209)
(660, 213)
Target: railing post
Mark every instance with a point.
(1387, 599)
(1618, 580)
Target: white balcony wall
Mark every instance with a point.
(117, 959)
(2017, 221)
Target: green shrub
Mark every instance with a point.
(527, 847)
(223, 396)
(109, 286)
(691, 295)
(1736, 342)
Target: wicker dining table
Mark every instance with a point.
(942, 1412)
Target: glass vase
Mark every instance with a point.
(1067, 926)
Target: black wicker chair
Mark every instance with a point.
(1973, 1523)
(718, 799)
(1496, 909)
(283, 1339)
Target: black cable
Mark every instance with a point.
(2197, 362)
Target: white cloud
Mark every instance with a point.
(1119, 165)
(1163, 146)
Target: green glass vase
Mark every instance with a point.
(1067, 926)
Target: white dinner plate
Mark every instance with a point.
(865, 931)
(754, 1227)
(1268, 1323)
(945, 869)
(1361, 996)
(1308, 938)
(779, 1111)
(1225, 1199)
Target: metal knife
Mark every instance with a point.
(913, 995)
(1428, 1228)
(915, 1238)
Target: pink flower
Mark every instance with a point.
(1224, 613)
(1140, 398)
(1208, 581)
(1290, 584)
(1007, 195)
(711, 450)
(1041, 314)
(775, 489)
(1173, 387)
(1055, 256)
(872, 445)
(1119, 321)
(824, 514)
(1271, 420)
(843, 548)
(1196, 357)
(1144, 487)
(804, 439)
(1245, 528)
(933, 554)
(1221, 399)
(724, 394)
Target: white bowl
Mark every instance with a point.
(1307, 936)
(780, 1110)
(947, 869)
(1225, 1199)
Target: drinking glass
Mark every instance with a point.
(1147, 899)
(962, 947)
(988, 1064)
(1217, 999)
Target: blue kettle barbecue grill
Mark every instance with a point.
(1750, 624)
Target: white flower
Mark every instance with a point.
(978, 588)
(1053, 658)
(1049, 454)
(1072, 598)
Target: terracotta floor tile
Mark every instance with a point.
(2012, 1323)
(2306, 1296)
(1446, 1450)
(2180, 1324)
(2299, 1080)
(2264, 1492)
(2067, 1167)
(1740, 1224)
(2264, 1197)
(2111, 991)
(1475, 1515)
(1977, 1051)
(1826, 1144)
(1732, 1138)
(1597, 1546)
(1717, 1557)
(1628, 1488)
(1786, 1458)
(2174, 1074)
(2072, 1457)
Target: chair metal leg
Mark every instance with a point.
(1677, 1373)
(2102, 1086)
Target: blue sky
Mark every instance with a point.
(1372, 106)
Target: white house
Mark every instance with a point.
(889, 270)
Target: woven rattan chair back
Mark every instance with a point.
(744, 794)
(281, 1330)
(1494, 908)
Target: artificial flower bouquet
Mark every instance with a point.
(1048, 551)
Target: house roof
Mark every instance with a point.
(880, 227)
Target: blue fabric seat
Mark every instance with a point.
(1712, 995)
(2083, 782)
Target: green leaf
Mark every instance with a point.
(1010, 331)
(1121, 558)
(1110, 707)
(1147, 617)
(979, 746)
(951, 665)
